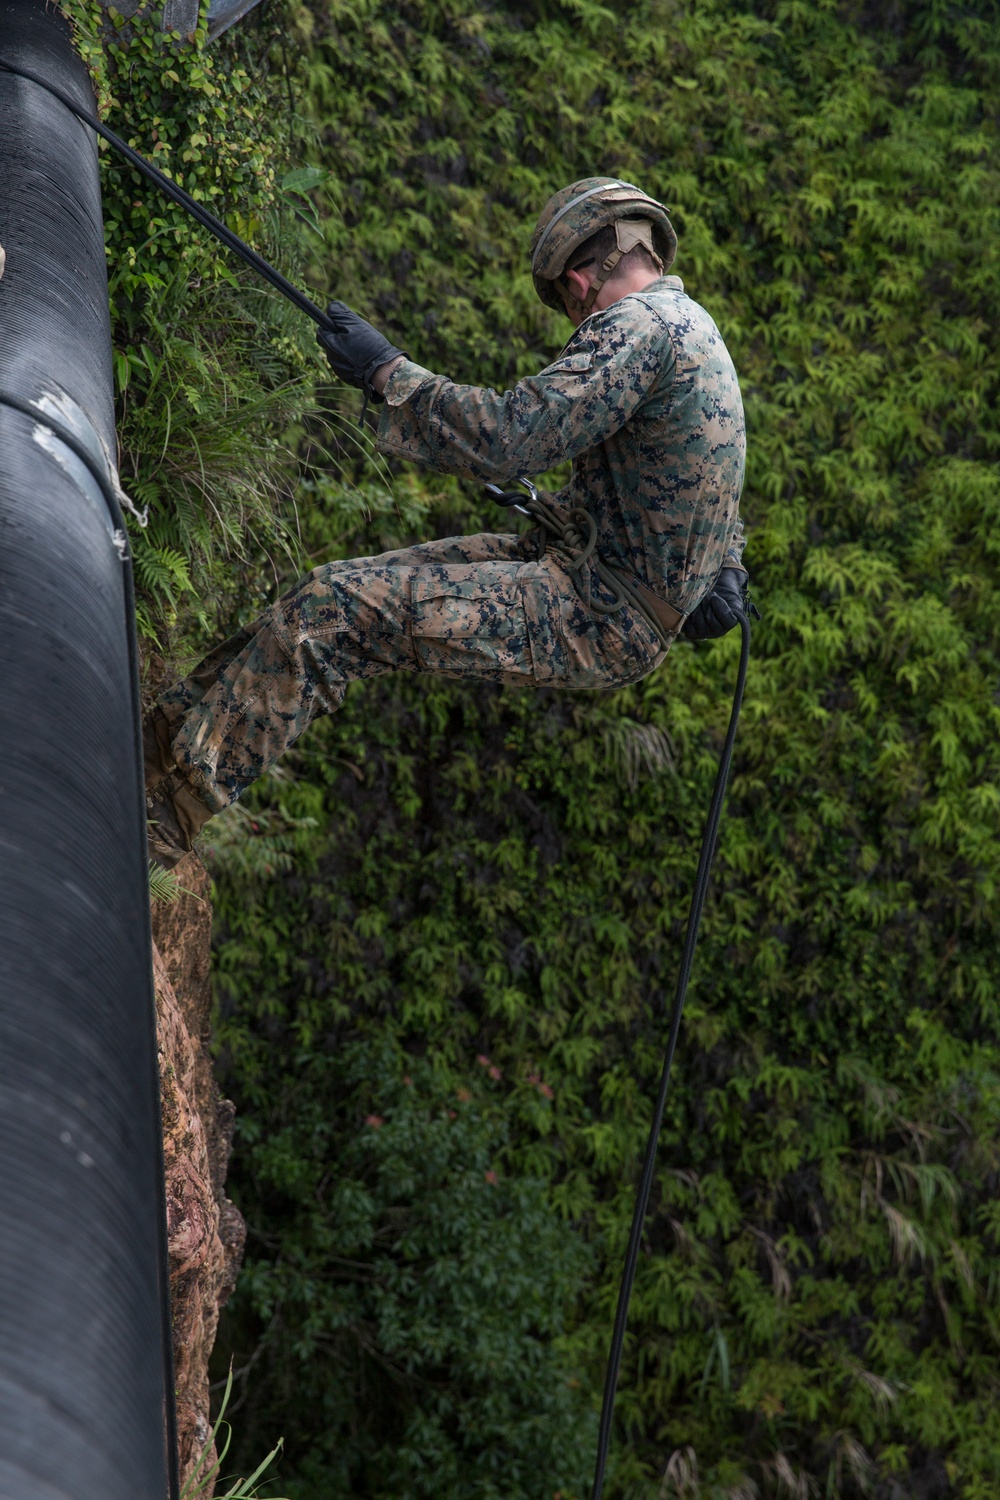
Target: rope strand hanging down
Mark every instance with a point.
(708, 842)
(574, 544)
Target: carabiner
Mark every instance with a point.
(509, 498)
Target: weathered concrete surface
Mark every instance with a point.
(205, 1231)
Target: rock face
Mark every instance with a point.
(205, 1231)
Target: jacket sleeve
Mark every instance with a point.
(734, 555)
(607, 371)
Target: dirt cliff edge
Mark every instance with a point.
(205, 1231)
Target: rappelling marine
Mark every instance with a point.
(643, 544)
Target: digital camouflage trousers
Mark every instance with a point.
(471, 606)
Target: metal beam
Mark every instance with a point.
(85, 1388)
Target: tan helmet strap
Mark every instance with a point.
(628, 234)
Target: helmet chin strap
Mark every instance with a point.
(628, 234)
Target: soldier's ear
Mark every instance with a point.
(575, 286)
(576, 283)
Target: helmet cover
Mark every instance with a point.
(576, 212)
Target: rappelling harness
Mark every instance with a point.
(572, 537)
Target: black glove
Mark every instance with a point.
(717, 613)
(354, 348)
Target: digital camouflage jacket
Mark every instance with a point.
(644, 399)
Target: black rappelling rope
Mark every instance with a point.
(305, 304)
(194, 208)
(574, 552)
(649, 1162)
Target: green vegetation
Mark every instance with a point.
(483, 892)
(210, 368)
(204, 1478)
(420, 1289)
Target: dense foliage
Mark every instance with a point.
(482, 892)
(420, 1287)
(210, 367)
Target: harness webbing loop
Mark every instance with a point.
(572, 537)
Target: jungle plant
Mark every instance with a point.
(203, 1481)
(508, 876)
(212, 372)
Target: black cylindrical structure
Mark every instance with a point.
(84, 1390)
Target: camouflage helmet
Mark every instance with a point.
(580, 210)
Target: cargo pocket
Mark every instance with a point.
(468, 621)
(491, 621)
(543, 613)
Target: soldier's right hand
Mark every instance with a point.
(720, 610)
